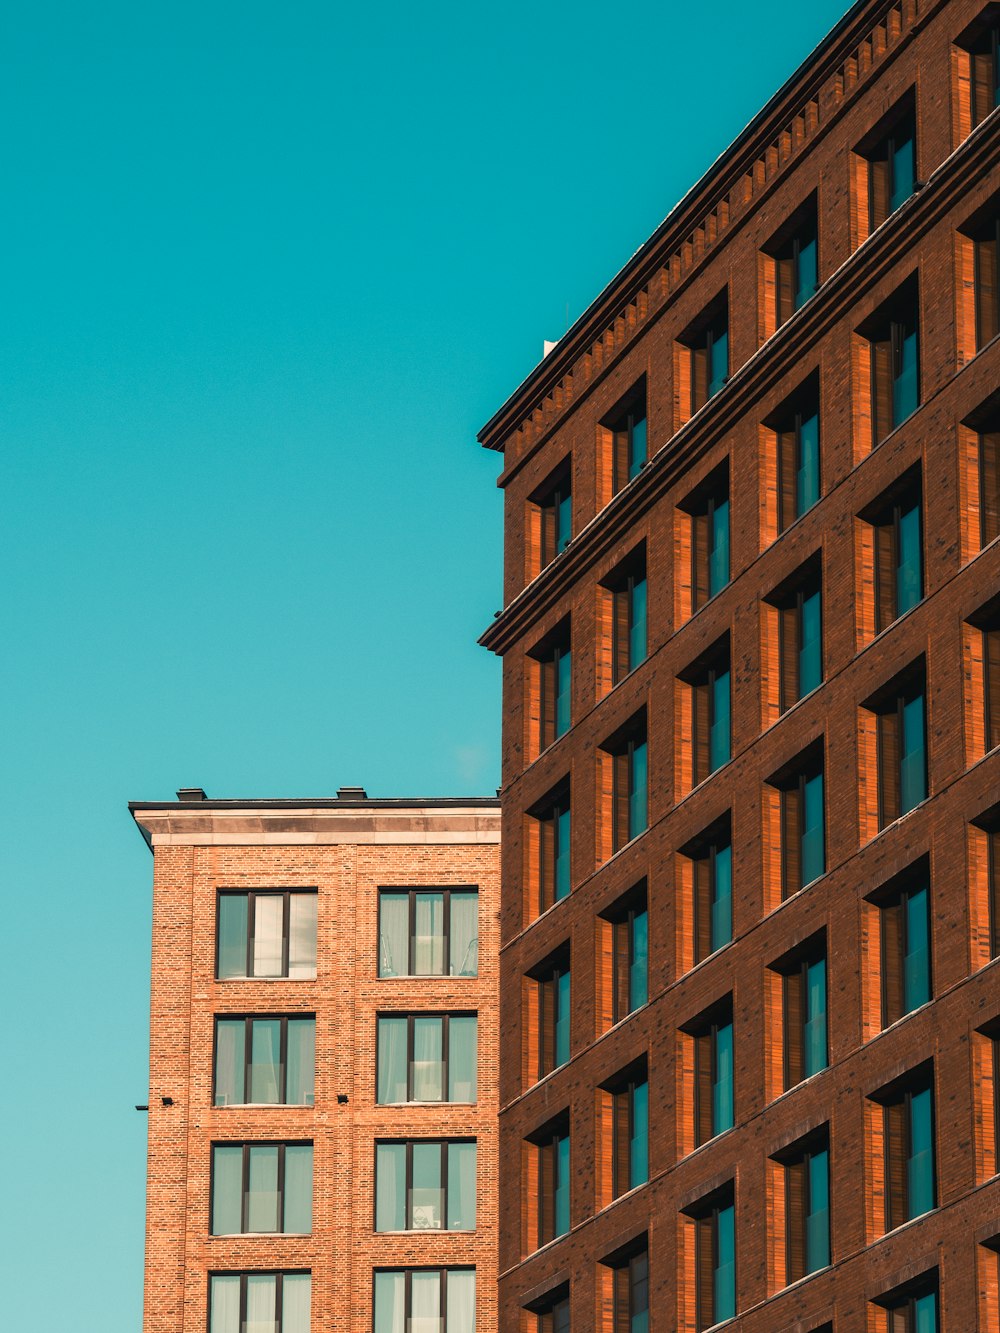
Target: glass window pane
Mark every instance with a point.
(393, 934)
(637, 627)
(818, 1216)
(391, 1060)
(390, 1187)
(920, 1166)
(638, 968)
(425, 1302)
(810, 655)
(564, 676)
(462, 1058)
(224, 1304)
(461, 1187)
(461, 1301)
(262, 1188)
(903, 169)
(428, 1050)
(390, 1308)
(905, 384)
(912, 772)
(639, 1140)
(638, 790)
(262, 1303)
(718, 559)
(814, 1053)
(464, 934)
(813, 841)
(917, 953)
(296, 1302)
(265, 1061)
(230, 1052)
(722, 1099)
(562, 1006)
(298, 1188)
(637, 447)
(561, 1202)
(807, 472)
(562, 834)
(428, 938)
(909, 573)
(718, 740)
(805, 270)
(301, 1061)
(426, 1196)
(564, 520)
(722, 897)
(718, 361)
(227, 1190)
(925, 1313)
(725, 1272)
(302, 934)
(232, 935)
(268, 916)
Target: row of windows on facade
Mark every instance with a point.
(789, 278)
(265, 1188)
(405, 1300)
(426, 932)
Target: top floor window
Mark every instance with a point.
(266, 933)
(550, 519)
(979, 68)
(791, 273)
(891, 154)
(793, 448)
(892, 335)
(702, 360)
(428, 932)
(623, 436)
(702, 549)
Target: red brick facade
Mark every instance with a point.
(346, 850)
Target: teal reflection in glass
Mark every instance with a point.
(925, 1318)
(906, 371)
(461, 1187)
(301, 1069)
(909, 570)
(230, 1053)
(265, 1061)
(298, 1188)
(636, 447)
(390, 1187)
(719, 729)
(718, 547)
(637, 624)
(912, 762)
(232, 935)
(920, 1159)
(810, 643)
(722, 1080)
(807, 465)
(806, 270)
(638, 976)
(564, 518)
(722, 895)
(426, 1208)
(564, 679)
(916, 950)
(818, 1214)
(562, 1007)
(561, 818)
(561, 1200)
(814, 1052)
(718, 356)
(724, 1269)
(902, 167)
(813, 840)
(462, 1058)
(390, 1302)
(227, 1189)
(638, 790)
(638, 1158)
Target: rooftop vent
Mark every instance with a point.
(191, 794)
(351, 794)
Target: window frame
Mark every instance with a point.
(248, 1020)
(411, 1016)
(622, 1092)
(413, 891)
(442, 1270)
(444, 1144)
(247, 1146)
(621, 918)
(243, 1273)
(251, 896)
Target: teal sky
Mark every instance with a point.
(266, 270)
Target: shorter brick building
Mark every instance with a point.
(323, 1098)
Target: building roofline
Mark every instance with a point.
(323, 803)
(631, 276)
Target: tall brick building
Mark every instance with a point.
(751, 799)
(323, 1098)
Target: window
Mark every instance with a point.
(892, 164)
(984, 858)
(551, 985)
(804, 1013)
(628, 1098)
(426, 1058)
(247, 1302)
(803, 841)
(625, 603)
(702, 359)
(264, 1059)
(985, 238)
(551, 518)
(989, 484)
(428, 932)
(905, 930)
(893, 348)
(713, 1072)
(979, 47)
(979, 444)
(711, 862)
(626, 796)
(908, 1145)
(898, 556)
(795, 431)
(261, 1187)
(552, 669)
(629, 1273)
(425, 1300)
(425, 1185)
(715, 1258)
(902, 747)
(549, 843)
(800, 635)
(806, 1170)
(625, 933)
(266, 933)
(790, 267)
(703, 530)
(552, 1176)
(913, 1308)
(981, 635)
(551, 1311)
(623, 435)
(708, 685)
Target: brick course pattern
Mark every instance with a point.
(346, 850)
(802, 143)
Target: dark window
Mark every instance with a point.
(981, 42)
(892, 167)
(713, 1072)
(554, 501)
(630, 1286)
(410, 1300)
(264, 1060)
(555, 679)
(629, 782)
(261, 1187)
(551, 1311)
(905, 927)
(553, 981)
(277, 1302)
(630, 1131)
(804, 1005)
(709, 511)
(428, 932)
(552, 1146)
(796, 273)
(553, 820)
(989, 482)
(913, 1308)
(807, 1206)
(626, 424)
(710, 711)
(908, 1128)
(991, 827)
(796, 426)
(630, 954)
(426, 1058)
(711, 857)
(800, 635)
(627, 586)
(902, 747)
(266, 933)
(898, 550)
(715, 1259)
(708, 341)
(986, 243)
(803, 840)
(425, 1185)
(894, 343)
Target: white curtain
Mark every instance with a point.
(464, 934)
(261, 1303)
(394, 934)
(390, 1187)
(296, 1302)
(225, 1304)
(425, 1302)
(391, 1060)
(428, 949)
(302, 935)
(267, 920)
(265, 1061)
(390, 1308)
(230, 1040)
(461, 1300)
(427, 1059)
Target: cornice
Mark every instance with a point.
(886, 247)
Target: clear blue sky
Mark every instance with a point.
(266, 270)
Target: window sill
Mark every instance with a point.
(910, 1222)
(431, 976)
(263, 1106)
(428, 1231)
(426, 1103)
(256, 1235)
(261, 980)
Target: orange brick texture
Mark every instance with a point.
(346, 855)
(803, 142)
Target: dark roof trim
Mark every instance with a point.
(323, 803)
